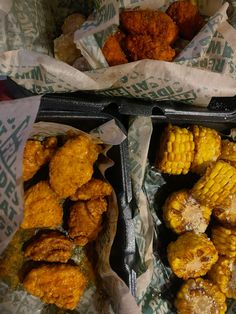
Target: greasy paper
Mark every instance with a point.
(206, 67)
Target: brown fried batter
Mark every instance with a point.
(149, 22)
(112, 50)
(147, 47)
(72, 23)
(42, 207)
(62, 285)
(85, 220)
(72, 165)
(36, 154)
(50, 247)
(93, 189)
(187, 17)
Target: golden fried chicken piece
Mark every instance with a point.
(112, 50)
(72, 165)
(85, 220)
(42, 207)
(72, 23)
(187, 17)
(145, 22)
(50, 247)
(62, 285)
(65, 49)
(36, 154)
(93, 189)
(147, 47)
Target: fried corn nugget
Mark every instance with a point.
(50, 247)
(85, 220)
(36, 154)
(191, 255)
(147, 47)
(187, 18)
(93, 189)
(72, 23)
(65, 49)
(223, 273)
(145, 22)
(41, 207)
(62, 285)
(200, 296)
(72, 165)
(112, 50)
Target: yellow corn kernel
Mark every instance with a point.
(181, 212)
(176, 151)
(224, 240)
(223, 273)
(228, 152)
(226, 213)
(191, 255)
(207, 148)
(200, 296)
(222, 177)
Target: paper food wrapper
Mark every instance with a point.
(156, 284)
(205, 68)
(15, 127)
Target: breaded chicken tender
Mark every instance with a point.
(72, 23)
(36, 154)
(187, 17)
(155, 23)
(65, 49)
(62, 285)
(72, 165)
(50, 247)
(95, 188)
(112, 50)
(147, 47)
(42, 207)
(85, 220)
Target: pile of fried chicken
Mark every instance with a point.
(148, 34)
(70, 176)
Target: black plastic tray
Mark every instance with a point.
(123, 249)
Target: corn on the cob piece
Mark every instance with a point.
(176, 150)
(215, 187)
(200, 296)
(207, 148)
(191, 255)
(228, 152)
(181, 212)
(223, 273)
(224, 240)
(226, 213)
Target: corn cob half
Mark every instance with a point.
(207, 148)
(200, 296)
(223, 273)
(176, 151)
(228, 152)
(226, 213)
(216, 186)
(224, 240)
(191, 255)
(181, 212)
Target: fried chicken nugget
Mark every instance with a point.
(93, 189)
(146, 47)
(72, 165)
(72, 23)
(112, 50)
(62, 285)
(50, 247)
(42, 207)
(187, 17)
(85, 220)
(36, 154)
(147, 22)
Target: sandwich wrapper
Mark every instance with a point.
(205, 68)
(16, 125)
